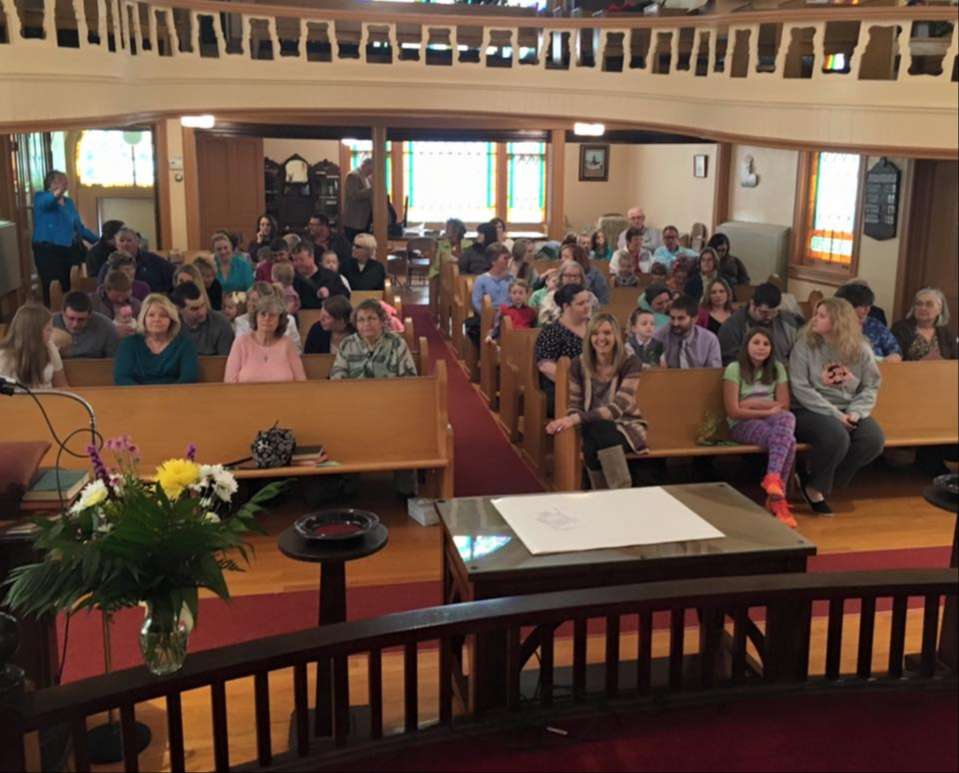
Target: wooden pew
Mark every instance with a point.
(516, 353)
(84, 371)
(449, 276)
(56, 296)
(743, 293)
(462, 310)
(219, 418)
(87, 372)
(676, 402)
(602, 266)
(489, 355)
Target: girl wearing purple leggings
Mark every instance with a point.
(756, 396)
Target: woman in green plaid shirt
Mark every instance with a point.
(372, 351)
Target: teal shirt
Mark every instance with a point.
(136, 364)
(241, 275)
(756, 388)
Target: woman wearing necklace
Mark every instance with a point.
(265, 354)
(157, 354)
(602, 400)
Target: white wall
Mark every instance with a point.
(658, 178)
(664, 186)
(773, 199)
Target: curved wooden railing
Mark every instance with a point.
(875, 68)
(784, 602)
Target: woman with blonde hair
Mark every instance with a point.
(207, 271)
(602, 400)
(569, 273)
(27, 352)
(265, 354)
(156, 353)
(190, 273)
(233, 272)
(835, 382)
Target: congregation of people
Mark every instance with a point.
(785, 379)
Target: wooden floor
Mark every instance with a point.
(883, 510)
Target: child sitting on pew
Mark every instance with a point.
(626, 275)
(756, 397)
(640, 342)
(518, 310)
(233, 306)
(282, 275)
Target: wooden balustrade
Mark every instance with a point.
(904, 58)
(727, 610)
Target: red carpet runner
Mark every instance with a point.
(485, 461)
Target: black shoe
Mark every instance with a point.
(821, 507)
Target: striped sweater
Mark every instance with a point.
(587, 395)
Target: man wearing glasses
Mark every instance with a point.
(762, 311)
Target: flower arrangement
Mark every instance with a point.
(128, 540)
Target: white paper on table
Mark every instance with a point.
(562, 523)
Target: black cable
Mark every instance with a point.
(94, 435)
(96, 440)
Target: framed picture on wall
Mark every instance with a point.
(700, 165)
(593, 163)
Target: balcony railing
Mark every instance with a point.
(774, 66)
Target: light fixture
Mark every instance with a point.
(349, 141)
(198, 121)
(588, 129)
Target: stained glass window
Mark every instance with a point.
(449, 179)
(114, 158)
(526, 175)
(833, 194)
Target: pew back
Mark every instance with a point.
(677, 402)
(223, 419)
(86, 372)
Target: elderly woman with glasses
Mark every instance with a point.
(923, 334)
(265, 354)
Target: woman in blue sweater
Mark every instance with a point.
(157, 354)
(57, 233)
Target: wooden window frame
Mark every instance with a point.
(821, 273)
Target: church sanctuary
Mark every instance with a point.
(479, 385)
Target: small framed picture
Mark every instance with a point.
(700, 165)
(593, 163)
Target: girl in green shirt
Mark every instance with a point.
(756, 397)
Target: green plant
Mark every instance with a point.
(129, 540)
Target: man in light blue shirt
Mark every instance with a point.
(495, 282)
(671, 248)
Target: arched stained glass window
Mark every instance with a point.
(113, 158)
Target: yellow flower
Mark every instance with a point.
(174, 475)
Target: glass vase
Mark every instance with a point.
(163, 641)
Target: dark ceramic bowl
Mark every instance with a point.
(949, 482)
(336, 525)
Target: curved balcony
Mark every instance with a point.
(864, 78)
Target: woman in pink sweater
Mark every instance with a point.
(265, 353)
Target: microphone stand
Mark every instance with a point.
(104, 742)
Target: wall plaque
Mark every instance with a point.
(880, 201)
